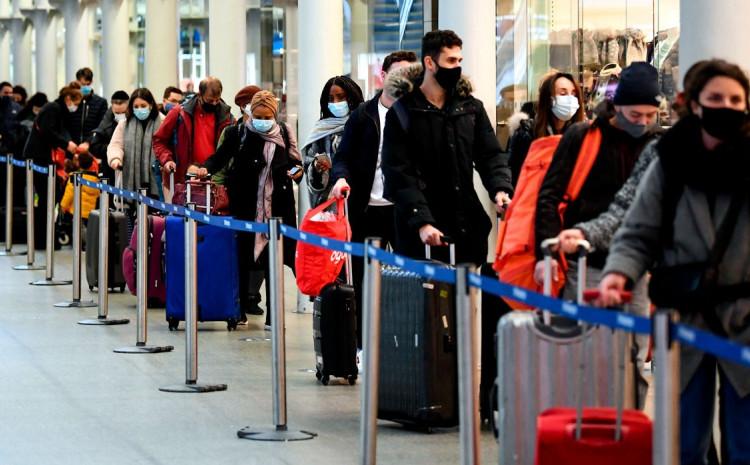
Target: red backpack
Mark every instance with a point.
(515, 256)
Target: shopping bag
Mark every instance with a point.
(315, 265)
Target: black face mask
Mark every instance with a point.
(448, 77)
(209, 107)
(723, 123)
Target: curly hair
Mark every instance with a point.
(353, 94)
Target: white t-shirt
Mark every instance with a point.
(376, 195)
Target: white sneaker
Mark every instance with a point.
(267, 327)
(360, 360)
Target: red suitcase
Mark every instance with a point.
(602, 435)
(157, 291)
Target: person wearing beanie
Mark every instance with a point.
(243, 99)
(627, 125)
(261, 161)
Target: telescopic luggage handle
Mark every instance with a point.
(191, 179)
(451, 249)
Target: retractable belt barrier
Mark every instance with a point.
(702, 340)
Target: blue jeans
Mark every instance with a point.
(696, 418)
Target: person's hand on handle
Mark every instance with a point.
(430, 235)
(198, 171)
(72, 147)
(340, 189)
(83, 148)
(170, 166)
(502, 201)
(569, 240)
(611, 289)
(539, 272)
(115, 164)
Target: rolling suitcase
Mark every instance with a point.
(218, 273)
(572, 436)
(118, 241)
(537, 356)
(418, 359)
(335, 329)
(157, 291)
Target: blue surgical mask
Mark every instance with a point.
(263, 125)
(168, 106)
(141, 113)
(339, 109)
(86, 90)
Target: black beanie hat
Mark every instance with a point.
(639, 85)
(120, 95)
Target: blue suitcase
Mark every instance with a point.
(218, 274)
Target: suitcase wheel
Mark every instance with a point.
(232, 325)
(173, 324)
(91, 288)
(352, 380)
(122, 289)
(318, 374)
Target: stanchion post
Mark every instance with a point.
(8, 252)
(50, 244)
(142, 285)
(666, 447)
(368, 425)
(275, 279)
(191, 312)
(467, 365)
(30, 246)
(77, 205)
(103, 275)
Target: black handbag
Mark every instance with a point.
(693, 286)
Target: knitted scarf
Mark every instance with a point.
(139, 154)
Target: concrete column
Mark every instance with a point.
(474, 22)
(20, 31)
(714, 30)
(116, 66)
(78, 52)
(291, 62)
(226, 44)
(162, 35)
(45, 37)
(5, 34)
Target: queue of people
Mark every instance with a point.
(669, 204)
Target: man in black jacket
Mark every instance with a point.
(435, 135)
(357, 165)
(81, 123)
(103, 133)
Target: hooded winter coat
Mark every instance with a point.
(429, 157)
(47, 133)
(174, 139)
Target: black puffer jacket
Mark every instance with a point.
(47, 133)
(429, 157)
(102, 135)
(82, 122)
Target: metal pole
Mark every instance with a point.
(30, 246)
(368, 425)
(191, 312)
(50, 246)
(275, 279)
(141, 262)
(76, 302)
(103, 275)
(467, 386)
(8, 252)
(666, 448)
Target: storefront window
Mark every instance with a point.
(591, 39)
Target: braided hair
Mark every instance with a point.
(353, 94)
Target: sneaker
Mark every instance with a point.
(360, 360)
(243, 320)
(267, 327)
(254, 309)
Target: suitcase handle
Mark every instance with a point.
(451, 246)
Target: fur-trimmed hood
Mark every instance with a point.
(514, 122)
(403, 81)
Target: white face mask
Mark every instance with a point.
(247, 110)
(72, 108)
(564, 107)
(120, 117)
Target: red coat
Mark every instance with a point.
(178, 147)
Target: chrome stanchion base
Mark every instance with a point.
(29, 267)
(279, 433)
(11, 253)
(51, 282)
(194, 388)
(143, 349)
(256, 339)
(104, 322)
(76, 304)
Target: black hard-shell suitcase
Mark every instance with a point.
(335, 330)
(418, 360)
(119, 238)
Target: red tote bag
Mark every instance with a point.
(316, 266)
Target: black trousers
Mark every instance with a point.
(376, 222)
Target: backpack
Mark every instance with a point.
(515, 256)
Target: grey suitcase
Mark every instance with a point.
(538, 357)
(418, 363)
